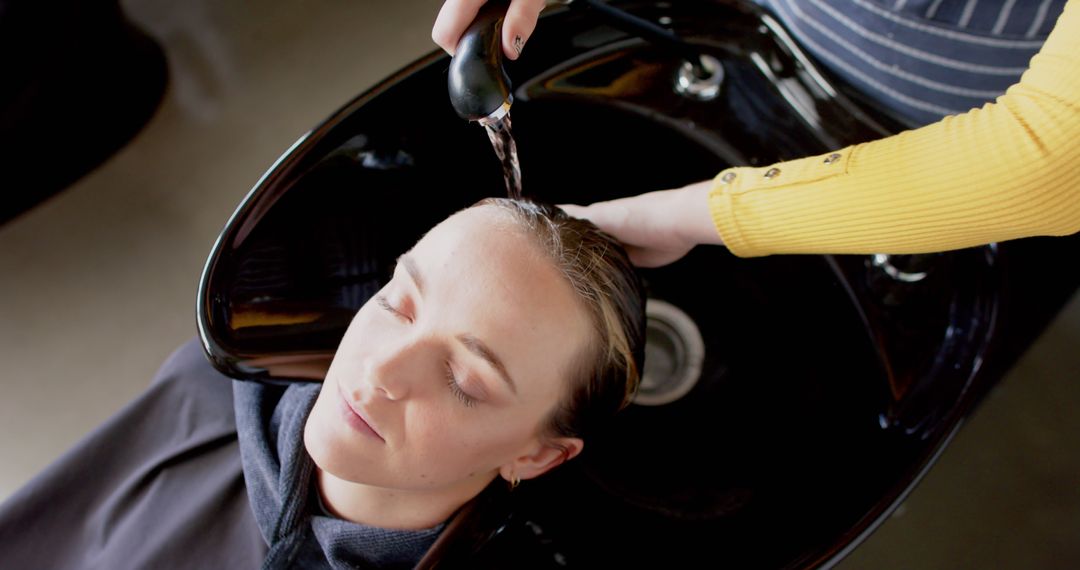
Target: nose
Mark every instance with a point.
(397, 370)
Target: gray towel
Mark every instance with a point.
(279, 475)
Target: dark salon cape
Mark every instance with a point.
(162, 485)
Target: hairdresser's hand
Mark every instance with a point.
(659, 227)
(456, 15)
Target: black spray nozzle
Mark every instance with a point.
(478, 84)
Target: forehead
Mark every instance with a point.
(484, 238)
(485, 276)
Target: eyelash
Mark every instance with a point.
(390, 308)
(451, 381)
(455, 388)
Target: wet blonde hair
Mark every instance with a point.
(598, 269)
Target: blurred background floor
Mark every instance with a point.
(99, 282)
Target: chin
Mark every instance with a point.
(337, 455)
(327, 449)
(313, 443)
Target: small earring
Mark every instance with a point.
(514, 482)
(518, 44)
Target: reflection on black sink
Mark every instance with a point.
(827, 385)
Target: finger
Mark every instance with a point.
(650, 257)
(454, 17)
(611, 217)
(640, 257)
(519, 25)
(574, 211)
(595, 213)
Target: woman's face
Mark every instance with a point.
(446, 377)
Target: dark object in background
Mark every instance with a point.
(829, 384)
(77, 81)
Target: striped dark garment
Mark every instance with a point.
(922, 59)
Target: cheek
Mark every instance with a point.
(319, 437)
(318, 411)
(361, 338)
(362, 323)
(470, 439)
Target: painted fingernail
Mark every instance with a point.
(518, 44)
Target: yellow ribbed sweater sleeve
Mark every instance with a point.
(1008, 170)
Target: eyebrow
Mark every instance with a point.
(413, 270)
(473, 344)
(477, 347)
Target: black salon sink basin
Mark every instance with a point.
(827, 385)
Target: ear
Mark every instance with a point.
(548, 454)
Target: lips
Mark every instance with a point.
(356, 418)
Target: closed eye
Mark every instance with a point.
(451, 379)
(382, 302)
(455, 388)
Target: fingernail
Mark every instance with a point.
(518, 44)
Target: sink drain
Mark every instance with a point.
(674, 352)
